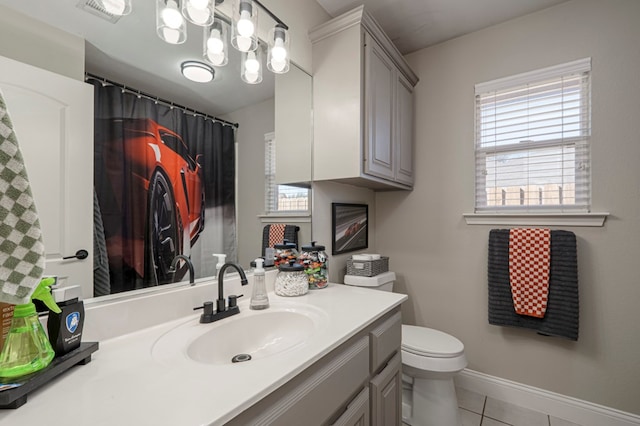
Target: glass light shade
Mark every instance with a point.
(117, 7)
(199, 12)
(251, 66)
(244, 35)
(197, 71)
(170, 25)
(278, 54)
(215, 47)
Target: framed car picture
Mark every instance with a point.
(350, 230)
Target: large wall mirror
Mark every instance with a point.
(129, 53)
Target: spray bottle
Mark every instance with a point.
(27, 348)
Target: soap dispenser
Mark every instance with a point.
(27, 348)
(259, 298)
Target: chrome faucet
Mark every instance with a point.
(222, 310)
(174, 264)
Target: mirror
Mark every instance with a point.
(144, 65)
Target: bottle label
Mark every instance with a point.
(72, 321)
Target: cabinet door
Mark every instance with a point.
(357, 413)
(404, 130)
(379, 83)
(386, 395)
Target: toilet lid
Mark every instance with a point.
(429, 342)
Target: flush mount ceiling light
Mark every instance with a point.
(197, 71)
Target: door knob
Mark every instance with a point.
(80, 254)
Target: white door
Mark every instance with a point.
(52, 116)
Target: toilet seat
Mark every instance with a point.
(431, 343)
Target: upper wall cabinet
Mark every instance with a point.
(363, 105)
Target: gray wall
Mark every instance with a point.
(255, 121)
(31, 42)
(441, 261)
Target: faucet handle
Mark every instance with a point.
(233, 300)
(207, 315)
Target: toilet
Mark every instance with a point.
(430, 360)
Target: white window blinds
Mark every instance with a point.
(532, 141)
(280, 198)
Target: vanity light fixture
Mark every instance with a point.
(245, 21)
(197, 71)
(216, 45)
(170, 24)
(199, 12)
(116, 7)
(251, 66)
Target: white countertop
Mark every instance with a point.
(126, 385)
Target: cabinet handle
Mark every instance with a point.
(80, 255)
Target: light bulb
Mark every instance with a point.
(214, 42)
(171, 15)
(215, 58)
(114, 7)
(171, 35)
(198, 15)
(245, 25)
(251, 77)
(251, 65)
(278, 65)
(199, 4)
(244, 43)
(278, 52)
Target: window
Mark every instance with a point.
(532, 141)
(281, 198)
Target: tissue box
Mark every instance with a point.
(367, 268)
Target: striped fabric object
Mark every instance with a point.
(22, 254)
(563, 310)
(529, 258)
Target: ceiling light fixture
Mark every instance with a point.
(215, 46)
(251, 66)
(278, 55)
(197, 71)
(170, 24)
(245, 22)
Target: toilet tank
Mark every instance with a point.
(383, 281)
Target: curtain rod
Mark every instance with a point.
(158, 100)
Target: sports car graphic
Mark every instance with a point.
(151, 196)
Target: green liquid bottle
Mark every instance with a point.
(27, 348)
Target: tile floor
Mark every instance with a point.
(480, 410)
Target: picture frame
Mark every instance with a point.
(349, 227)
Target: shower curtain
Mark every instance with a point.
(165, 180)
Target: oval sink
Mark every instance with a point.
(259, 334)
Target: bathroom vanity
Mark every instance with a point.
(331, 356)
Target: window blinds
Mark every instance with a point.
(532, 141)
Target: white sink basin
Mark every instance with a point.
(259, 334)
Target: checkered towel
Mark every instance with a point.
(529, 258)
(21, 248)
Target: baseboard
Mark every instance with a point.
(564, 407)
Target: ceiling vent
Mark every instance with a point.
(96, 8)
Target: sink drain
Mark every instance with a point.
(241, 358)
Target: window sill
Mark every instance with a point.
(536, 219)
(285, 217)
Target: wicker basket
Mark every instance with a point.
(367, 268)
